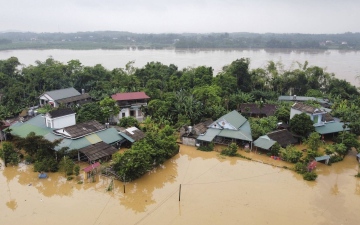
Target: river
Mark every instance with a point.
(215, 190)
(344, 64)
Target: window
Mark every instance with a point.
(122, 115)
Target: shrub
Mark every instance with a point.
(290, 154)
(310, 176)
(300, 168)
(69, 178)
(206, 148)
(46, 165)
(231, 150)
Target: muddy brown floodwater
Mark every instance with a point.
(214, 190)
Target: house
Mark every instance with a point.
(60, 118)
(283, 137)
(232, 127)
(92, 141)
(293, 98)
(255, 110)
(189, 134)
(130, 104)
(324, 123)
(67, 97)
(316, 115)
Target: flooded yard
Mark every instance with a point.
(214, 190)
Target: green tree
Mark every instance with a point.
(8, 154)
(301, 124)
(109, 108)
(313, 141)
(88, 112)
(66, 165)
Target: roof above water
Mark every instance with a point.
(306, 108)
(98, 151)
(332, 127)
(234, 118)
(264, 142)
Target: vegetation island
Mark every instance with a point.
(54, 114)
(125, 40)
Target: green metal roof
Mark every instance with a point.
(264, 142)
(235, 134)
(109, 136)
(320, 158)
(26, 128)
(234, 118)
(62, 93)
(330, 128)
(93, 138)
(127, 137)
(209, 135)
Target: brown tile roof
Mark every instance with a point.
(328, 117)
(129, 96)
(253, 108)
(98, 151)
(283, 137)
(202, 127)
(306, 108)
(83, 129)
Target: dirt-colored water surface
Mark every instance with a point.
(214, 190)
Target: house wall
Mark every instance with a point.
(188, 141)
(126, 112)
(60, 122)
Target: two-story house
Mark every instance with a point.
(130, 104)
(316, 115)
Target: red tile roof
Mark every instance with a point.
(129, 96)
(91, 167)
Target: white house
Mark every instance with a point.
(60, 118)
(316, 115)
(63, 96)
(130, 104)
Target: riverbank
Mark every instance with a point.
(215, 190)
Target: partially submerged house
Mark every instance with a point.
(255, 110)
(232, 127)
(66, 97)
(130, 104)
(92, 140)
(189, 134)
(131, 134)
(324, 123)
(282, 137)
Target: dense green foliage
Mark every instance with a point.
(290, 154)
(128, 122)
(310, 176)
(206, 147)
(8, 154)
(261, 126)
(158, 146)
(313, 141)
(120, 40)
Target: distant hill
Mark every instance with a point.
(122, 39)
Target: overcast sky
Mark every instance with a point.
(178, 16)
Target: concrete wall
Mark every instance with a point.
(60, 122)
(188, 141)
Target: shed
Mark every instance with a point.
(92, 169)
(264, 142)
(325, 158)
(283, 137)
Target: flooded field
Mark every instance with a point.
(214, 190)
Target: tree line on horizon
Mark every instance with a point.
(120, 40)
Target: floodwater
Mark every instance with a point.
(344, 64)
(214, 190)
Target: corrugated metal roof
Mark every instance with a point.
(110, 135)
(330, 128)
(26, 128)
(235, 134)
(93, 138)
(127, 137)
(62, 93)
(234, 118)
(358, 155)
(209, 135)
(91, 167)
(264, 142)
